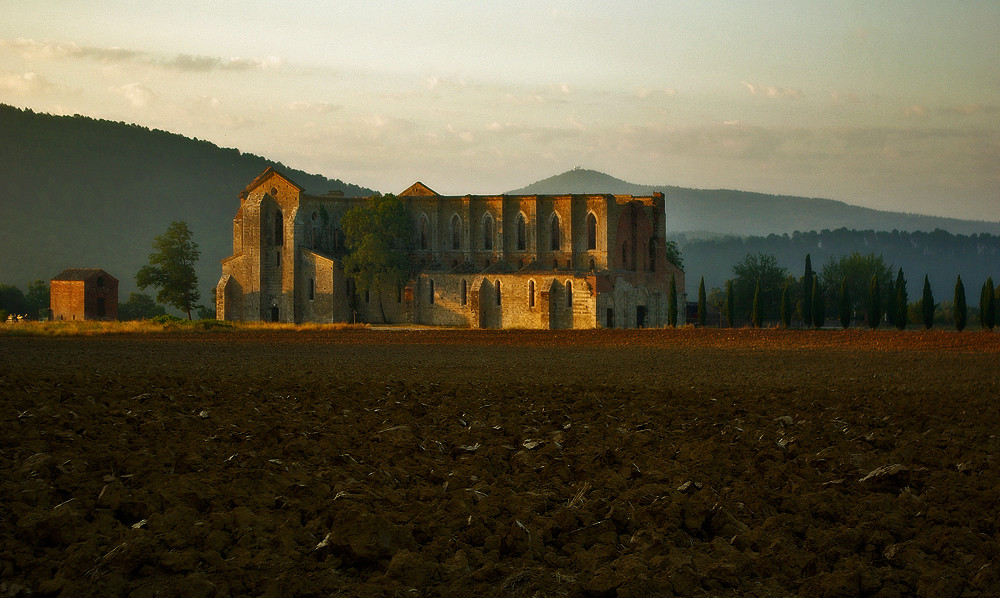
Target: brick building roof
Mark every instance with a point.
(81, 274)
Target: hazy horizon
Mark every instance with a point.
(892, 106)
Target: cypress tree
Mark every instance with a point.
(845, 306)
(927, 304)
(786, 307)
(819, 309)
(991, 302)
(890, 304)
(874, 303)
(729, 302)
(755, 312)
(987, 305)
(902, 301)
(702, 304)
(672, 305)
(961, 310)
(807, 285)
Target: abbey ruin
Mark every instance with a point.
(481, 261)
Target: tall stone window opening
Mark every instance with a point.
(569, 293)
(456, 232)
(554, 233)
(531, 293)
(279, 229)
(312, 289)
(424, 233)
(430, 285)
(522, 233)
(488, 231)
(498, 293)
(465, 292)
(591, 232)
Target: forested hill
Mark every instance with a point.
(707, 213)
(940, 255)
(80, 192)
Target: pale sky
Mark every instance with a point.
(890, 105)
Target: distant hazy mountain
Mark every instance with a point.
(80, 192)
(708, 213)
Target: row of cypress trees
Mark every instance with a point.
(896, 311)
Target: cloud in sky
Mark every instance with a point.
(138, 95)
(815, 100)
(770, 91)
(24, 84)
(32, 50)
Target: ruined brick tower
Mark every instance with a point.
(484, 261)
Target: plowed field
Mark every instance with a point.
(426, 463)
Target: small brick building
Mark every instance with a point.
(84, 294)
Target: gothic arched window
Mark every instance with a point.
(456, 232)
(522, 233)
(488, 231)
(591, 232)
(554, 233)
(424, 233)
(279, 229)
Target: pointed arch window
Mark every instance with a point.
(488, 231)
(569, 293)
(425, 241)
(554, 233)
(591, 232)
(522, 233)
(531, 293)
(430, 286)
(498, 292)
(279, 229)
(456, 232)
(465, 292)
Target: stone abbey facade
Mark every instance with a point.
(482, 261)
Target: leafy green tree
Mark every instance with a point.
(858, 270)
(786, 307)
(12, 300)
(139, 306)
(961, 309)
(730, 303)
(378, 236)
(845, 305)
(674, 254)
(874, 303)
(818, 304)
(902, 302)
(702, 304)
(37, 297)
(762, 269)
(171, 268)
(717, 299)
(807, 285)
(927, 304)
(672, 302)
